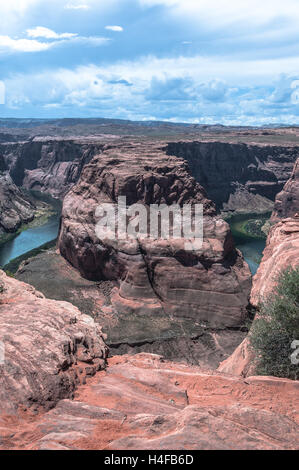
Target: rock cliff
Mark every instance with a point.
(47, 348)
(287, 202)
(48, 165)
(15, 207)
(238, 177)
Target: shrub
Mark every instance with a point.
(276, 327)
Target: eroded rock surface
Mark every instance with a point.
(48, 165)
(49, 347)
(144, 402)
(15, 207)
(281, 252)
(287, 202)
(158, 281)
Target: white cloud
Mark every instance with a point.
(73, 6)
(8, 44)
(118, 29)
(41, 32)
(11, 45)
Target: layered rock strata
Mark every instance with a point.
(238, 177)
(48, 165)
(47, 348)
(15, 208)
(158, 281)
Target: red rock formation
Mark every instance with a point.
(282, 249)
(241, 362)
(49, 347)
(281, 252)
(143, 402)
(208, 287)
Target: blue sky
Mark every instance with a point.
(203, 61)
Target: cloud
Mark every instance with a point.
(175, 89)
(8, 44)
(151, 88)
(72, 6)
(117, 29)
(50, 39)
(42, 32)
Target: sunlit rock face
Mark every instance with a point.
(146, 402)
(48, 348)
(161, 286)
(282, 249)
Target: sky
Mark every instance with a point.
(198, 61)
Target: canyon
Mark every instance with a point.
(168, 315)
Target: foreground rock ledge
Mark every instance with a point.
(50, 347)
(144, 402)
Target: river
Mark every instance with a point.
(29, 239)
(252, 247)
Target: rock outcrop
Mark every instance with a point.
(49, 348)
(144, 402)
(241, 362)
(238, 177)
(281, 252)
(15, 208)
(164, 290)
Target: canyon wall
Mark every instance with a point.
(48, 165)
(287, 202)
(244, 177)
(15, 208)
(237, 177)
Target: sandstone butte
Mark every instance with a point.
(59, 390)
(162, 291)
